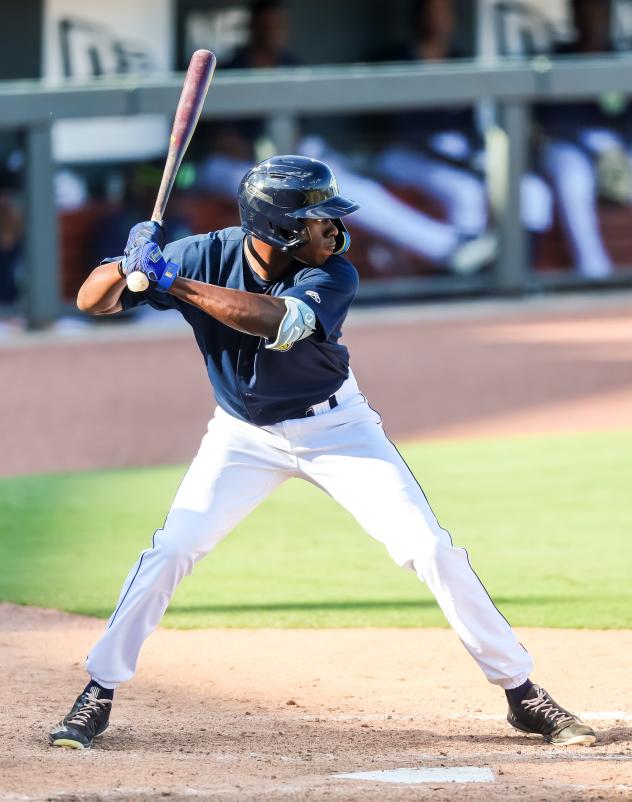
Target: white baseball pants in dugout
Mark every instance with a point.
(345, 452)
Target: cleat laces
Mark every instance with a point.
(544, 705)
(90, 706)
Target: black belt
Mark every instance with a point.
(332, 401)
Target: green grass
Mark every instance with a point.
(547, 523)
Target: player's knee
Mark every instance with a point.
(186, 535)
(438, 558)
(183, 550)
(431, 551)
(174, 551)
(420, 548)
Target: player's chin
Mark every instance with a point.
(314, 256)
(322, 256)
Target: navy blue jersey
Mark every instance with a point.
(253, 383)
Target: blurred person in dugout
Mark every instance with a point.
(237, 145)
(587, 148)
(11, 229)
(440, 152)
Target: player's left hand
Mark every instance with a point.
(149, 259)
(142, 233)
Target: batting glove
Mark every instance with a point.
(145, 232)
(148, 259)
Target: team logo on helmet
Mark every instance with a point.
(313, 294)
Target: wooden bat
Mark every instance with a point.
(194, 89)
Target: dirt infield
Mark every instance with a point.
(275, 715)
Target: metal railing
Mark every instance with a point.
(281, 96)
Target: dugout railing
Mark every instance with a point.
(509, 88)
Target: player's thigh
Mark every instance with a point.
(365, 473)
(230, 475)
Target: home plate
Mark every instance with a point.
(456, 774)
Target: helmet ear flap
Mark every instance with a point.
(343, 238)
(286, 239)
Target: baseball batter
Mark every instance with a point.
(266, 303)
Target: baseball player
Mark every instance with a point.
(266, 303)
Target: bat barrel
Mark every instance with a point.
(196, 84)
(194, 90)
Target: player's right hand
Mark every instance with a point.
(145, 232)
(148, 259)
(131, 261)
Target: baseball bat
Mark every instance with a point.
(194, 89)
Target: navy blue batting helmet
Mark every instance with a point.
(279, 194)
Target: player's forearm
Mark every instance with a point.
(100, 293)
(259, 315)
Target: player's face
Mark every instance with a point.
(322, 242)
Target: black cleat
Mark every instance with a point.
(87, 719)
(539, 714)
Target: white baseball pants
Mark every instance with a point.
(572, 172)
(345, 452)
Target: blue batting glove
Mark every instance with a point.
(148, 259)
(145, 232)
(131, 260)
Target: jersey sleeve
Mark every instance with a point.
(193, 257)
(328, 291)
